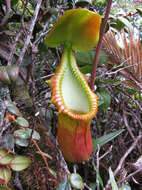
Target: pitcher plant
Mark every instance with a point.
(76, 29)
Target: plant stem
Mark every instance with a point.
(47, 167)
(98, 48)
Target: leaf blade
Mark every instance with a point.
(106, 138)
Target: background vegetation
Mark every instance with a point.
(28, 122)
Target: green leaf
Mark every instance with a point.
(76, 181)
(85, 58)
(5, 174)
(23, 134)
(21, 142)
(126, 23)
(12, 108)
(121, 23)
(5, 157)
(104, 98)
(125, 187)
(106, 138)
(99, 177)
(112, 180)
(14, 2)
(63, 186)
(86, 69)
(22, 122)
(20, 163)
(35, 134)
(103, 60)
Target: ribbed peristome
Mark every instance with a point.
(68, 60)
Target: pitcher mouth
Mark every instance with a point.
(70, 91)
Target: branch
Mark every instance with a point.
(28, 38)
(121, 163)
(126, 154)
(130, 175)
(13, 48)
(98, 48)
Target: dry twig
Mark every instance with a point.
(28, 38)
(130, 175)
(14, 47)
(122, 161)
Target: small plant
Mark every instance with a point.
(8, 161)
(24, 134)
